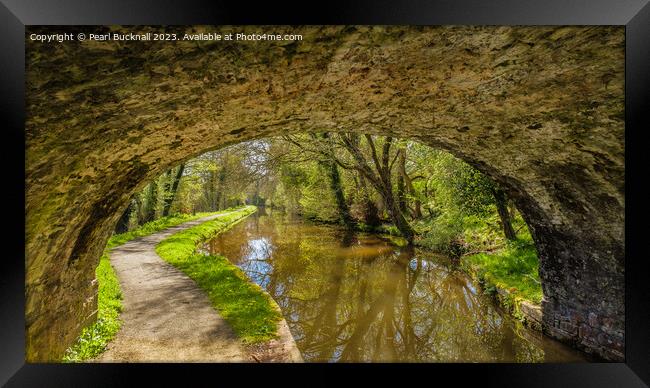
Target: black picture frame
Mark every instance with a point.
(634, 14)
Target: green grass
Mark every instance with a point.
(251, 313)
(514, 269)
(93, 339)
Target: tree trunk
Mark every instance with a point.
(401, 191)
(408, 183)
(171, 194)
(152, 202)
(397, 216)
(336, 186)
(138, 209)
(337, 189)
(216, 199)
(504, 215)
(221, 190)
(385, 188)
(370, 210)
(381, 180)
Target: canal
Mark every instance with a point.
(355, 297)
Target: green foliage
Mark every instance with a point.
(292, 179)
(317, 200)
(391, 230)
(514, 269)
(362, 227)
(244, 305)
(472, 190)
(443, 233)
(458, 185)
(218, 179)
(93, 339)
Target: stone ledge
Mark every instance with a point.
(532, 314)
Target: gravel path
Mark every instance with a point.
(168, 318)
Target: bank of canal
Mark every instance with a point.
(356, 297)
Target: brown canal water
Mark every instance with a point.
(357, 298)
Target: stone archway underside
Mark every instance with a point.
(541, 110)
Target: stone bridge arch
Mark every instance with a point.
(540, 109)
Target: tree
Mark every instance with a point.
(349, 154)
(335, 183)
(368, 206)
(502, 208)
(321, 149)
(405, 185)
(151, 202)
(475, 193)
(379, 177)
(171, 192)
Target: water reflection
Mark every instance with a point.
(355, 297)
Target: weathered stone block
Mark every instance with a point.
(532, 314)
(593, 320)
(569, 328)
(584, 331)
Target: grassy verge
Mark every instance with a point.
(506, 269)
(513, 268)
(511, 274)
(244, 305)
(93, 339)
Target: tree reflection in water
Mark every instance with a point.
(355, 297)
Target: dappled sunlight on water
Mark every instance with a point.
(356, 297)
